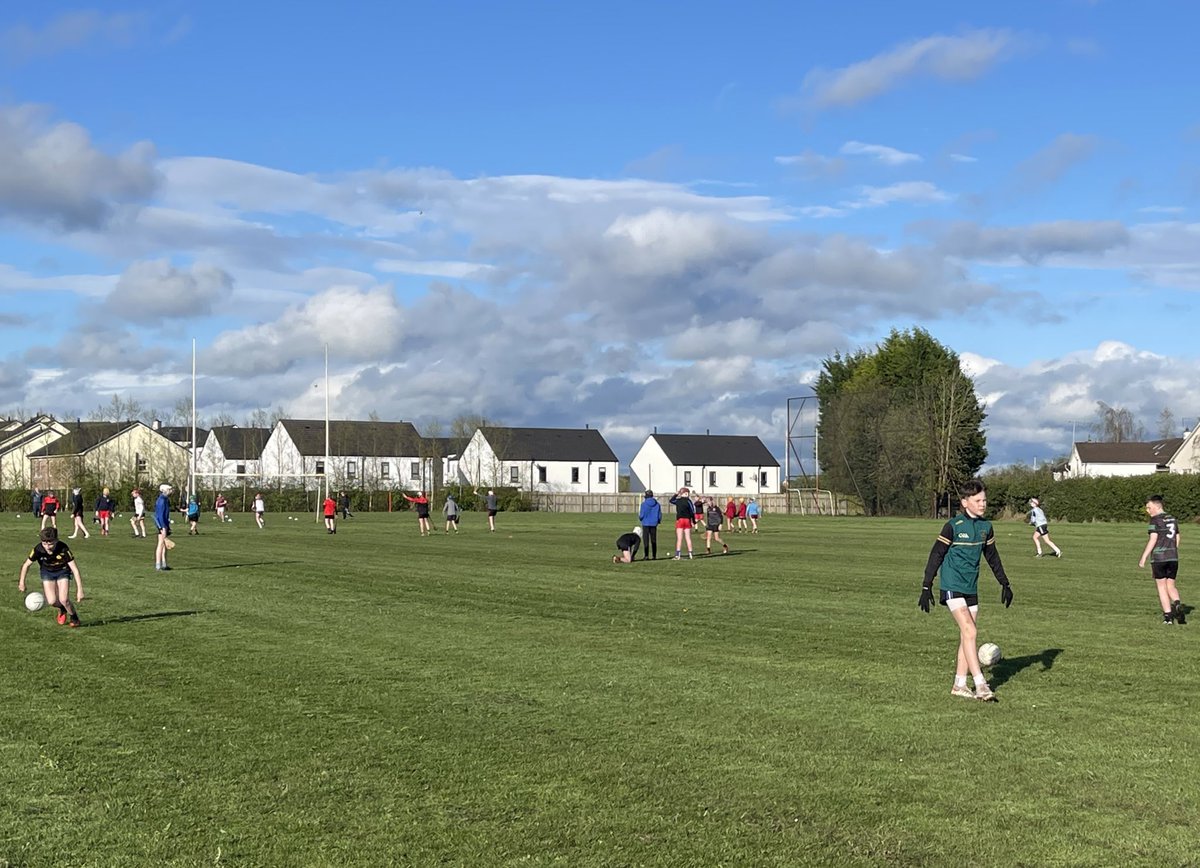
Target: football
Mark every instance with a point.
(989, 654)
(34, 601)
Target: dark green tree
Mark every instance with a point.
(899, 425)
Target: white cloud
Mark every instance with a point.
(948, 58)
(881, 153)
(908, 192)
(154, 290)
(51, 174)
(1049, 165)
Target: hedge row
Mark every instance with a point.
(1103, 498)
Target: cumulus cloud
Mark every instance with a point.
(51, 174)
(362, 324)
(948, 58)
(155, 290)
(1032, 409)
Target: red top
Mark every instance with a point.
(330, 507)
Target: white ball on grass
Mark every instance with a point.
(989, 654)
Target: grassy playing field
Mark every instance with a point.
(286, 697)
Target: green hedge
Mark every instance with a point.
(1101, 498)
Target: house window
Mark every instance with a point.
(351, 469)
(241, 469)
(740, 479)
(712, 479)
(541, 473)
(385, 470)
(514, 474)
(687, 478)
(414, 470)
(575, 475)
(603, 476)
(141, 464)
(320, 467)
(762, 479)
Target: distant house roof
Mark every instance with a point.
(355, 439)
(182, 434)
(715, 450)
(81, 437)
(446, 447)
(1150, 452)
(243, 444)
(548, 444)
(15, 434)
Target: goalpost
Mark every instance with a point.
(812, 501)
(249, 483)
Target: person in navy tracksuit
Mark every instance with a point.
(650, 516)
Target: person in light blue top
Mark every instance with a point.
(1041, 528)
(752, 514)
(650, 516)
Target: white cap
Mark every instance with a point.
(164, 489)
(637, 528)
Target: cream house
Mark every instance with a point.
(109, 453)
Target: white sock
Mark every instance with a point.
(979, 679)
(960, 681)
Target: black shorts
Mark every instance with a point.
(491, 513)
(972, 599)
(1042, 530)
(713, 527)
(453, 518)
(1164, 569)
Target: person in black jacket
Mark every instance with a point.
(77, 514)
(685, 516)
(627, 545)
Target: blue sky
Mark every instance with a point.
(615, 214)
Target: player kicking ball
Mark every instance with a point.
(57, 566)
(955, 560)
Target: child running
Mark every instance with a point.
(712, 520)
(956, 553)
(77, 514)
(1041, 528)
(138, 520)
(1163, 551)
(57, 566)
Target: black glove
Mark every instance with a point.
(926, 600)
(1006, 595)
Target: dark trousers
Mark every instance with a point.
(649, 541)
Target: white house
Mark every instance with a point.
(230, 452)
(540, 459)
(18, 440)
(722, 464)
(361, 454)
(1131, 459)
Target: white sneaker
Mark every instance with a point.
(984, 693)
(965, 692)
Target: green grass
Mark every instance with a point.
(286, 697)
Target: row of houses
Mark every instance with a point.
(48, 453)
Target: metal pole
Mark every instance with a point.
(325, 481)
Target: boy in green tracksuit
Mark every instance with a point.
(956, 553)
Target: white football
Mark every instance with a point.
(34, 601)
(989, 654)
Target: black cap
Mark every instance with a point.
(649, 493)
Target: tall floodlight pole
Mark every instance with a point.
(192, 475)
(326, 479)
